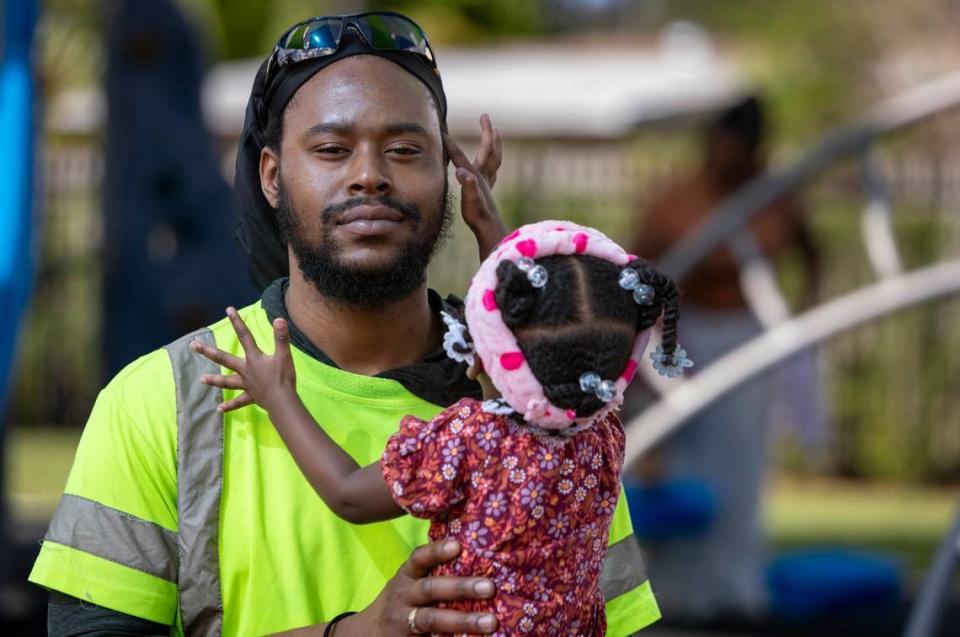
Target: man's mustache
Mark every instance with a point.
(406, 209)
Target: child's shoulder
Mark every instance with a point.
(464, 411)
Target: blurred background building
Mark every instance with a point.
(601, 102)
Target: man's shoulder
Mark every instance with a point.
(153, 373)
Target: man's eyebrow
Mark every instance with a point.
(400, 128)
(329, 127)
(343, 128)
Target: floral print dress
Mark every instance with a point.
(531, 509)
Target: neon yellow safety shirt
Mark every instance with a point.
(179, 515)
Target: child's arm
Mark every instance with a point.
(356, 494)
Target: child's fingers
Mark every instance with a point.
(497, 154)
(471, 201)
(242, 400)
(243, 334)
(485, 152)
(231, 381)
(457, 156)
(490, 156)
(218, 356)
(281, 338)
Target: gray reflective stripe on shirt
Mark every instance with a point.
(199, 485)
(100, 530)
(623, 568)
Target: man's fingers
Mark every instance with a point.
(440, 620)
(429, 590)
(243, 334)
(449, 589)
(425, 557)
(232, 381)
(242, 400)
(218, 356)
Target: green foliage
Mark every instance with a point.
(69, 45)
(241, 29)
(893, 383)
(470, 21)
(249, 28)
(806, 57)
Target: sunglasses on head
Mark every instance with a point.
(321, 36)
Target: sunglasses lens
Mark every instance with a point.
(393, 33)
(323, 34)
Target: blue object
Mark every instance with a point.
(817, 584)
(669, 510)
(16, 178)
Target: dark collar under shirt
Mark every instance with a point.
(437, 378)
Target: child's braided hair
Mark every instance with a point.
(581, 321)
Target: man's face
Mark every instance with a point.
(360, 181)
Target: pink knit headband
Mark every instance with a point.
(495, 343)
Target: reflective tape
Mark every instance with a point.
(97, 529)
(623, 568)
(199, 486)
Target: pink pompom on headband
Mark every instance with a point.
(496, 345)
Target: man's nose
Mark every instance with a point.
(368, 174)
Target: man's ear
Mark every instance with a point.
(270, 175)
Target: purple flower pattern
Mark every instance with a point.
(501, 490)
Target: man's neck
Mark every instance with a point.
(364, 340)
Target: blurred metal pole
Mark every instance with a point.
(929, 607)
(782, 341)
(759, 281)
(877, 220)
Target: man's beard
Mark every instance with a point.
(358, 285)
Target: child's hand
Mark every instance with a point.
(476, 178)
(266, 380)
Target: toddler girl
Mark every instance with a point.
(558, 317)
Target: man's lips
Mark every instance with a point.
(370, 220)
(370, 213)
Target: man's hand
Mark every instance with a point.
(413, 588)
(261, 377)
(476, 178)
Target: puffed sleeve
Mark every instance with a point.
(425, 462)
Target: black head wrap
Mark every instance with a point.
(257, 231)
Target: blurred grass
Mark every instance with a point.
(906, 521)
(38, 461)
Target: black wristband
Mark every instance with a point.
(328, 631)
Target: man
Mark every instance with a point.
(175, 514)
(717, 574)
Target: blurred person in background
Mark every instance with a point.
(178, 515)
(717, 572)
